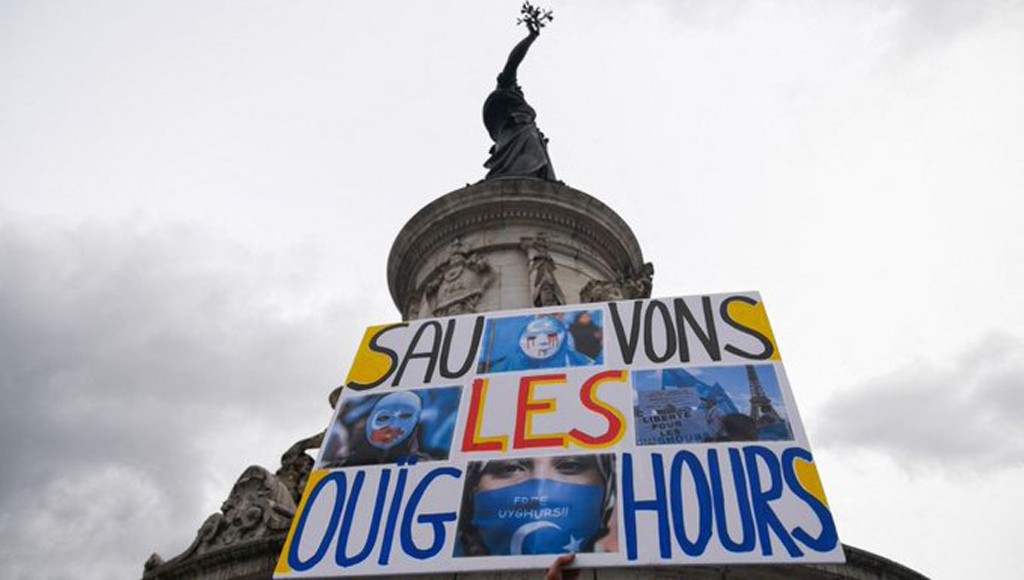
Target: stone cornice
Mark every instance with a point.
(243, 561)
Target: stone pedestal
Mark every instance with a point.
(513, 243)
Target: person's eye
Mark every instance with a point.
(505, 469)
(570, 466)
(511, 468)
(383, 418)
(404, 416)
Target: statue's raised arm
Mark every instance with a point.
(520, 149)
(507, 77)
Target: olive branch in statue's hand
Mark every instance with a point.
(534, 18)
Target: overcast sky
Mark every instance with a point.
(197, 199)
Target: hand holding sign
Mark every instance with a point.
(558, 570)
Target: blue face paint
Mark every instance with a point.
(542, 338)
(539, 516)
(393, 419)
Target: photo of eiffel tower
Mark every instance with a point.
(761, 409)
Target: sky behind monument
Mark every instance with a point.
(197, 200)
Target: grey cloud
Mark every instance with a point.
(930, 22)
(965, 414)
(126, 354)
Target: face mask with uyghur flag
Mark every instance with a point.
(539, 516)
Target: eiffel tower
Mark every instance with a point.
(761, 409)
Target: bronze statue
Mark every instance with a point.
(520, 149)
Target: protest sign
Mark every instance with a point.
(654, 432)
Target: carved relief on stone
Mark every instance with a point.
(458, 286)
(601, 291)
(259, 506)
(544, 288)
(639, 284)
(635, 285)
(413, 306)
(296, 465)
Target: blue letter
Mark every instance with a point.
(763, 513)
(389, 529)
(436, 520)
(828, 538)
(293, 554)
(340, 557)
(742, 502)
(696, 548)
(630, 505)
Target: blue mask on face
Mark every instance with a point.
(393, 419)
(539, 516)
(542, 339)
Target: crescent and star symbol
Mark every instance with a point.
(520, 535)
(516, 548)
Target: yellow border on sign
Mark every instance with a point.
(282, 561)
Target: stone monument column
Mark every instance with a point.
(513, 242)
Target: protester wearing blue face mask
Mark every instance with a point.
(542, 505)
(380, 430)
(543, 343)
(393, 419)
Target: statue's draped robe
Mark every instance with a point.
(519, 149)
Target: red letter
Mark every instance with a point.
(616, 422)
(524, 437)
(473, 440)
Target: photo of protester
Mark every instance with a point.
(383, 428)
(567, 339)
(539, 505)
(709, 404)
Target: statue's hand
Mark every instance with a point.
(534, 17)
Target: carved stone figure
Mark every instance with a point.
(458, 286)
(412, 309)
(259, 506)
(544, 287)
(639, 284)
(519, 149)
(602, 291)
(635, 285)
(296, 465)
